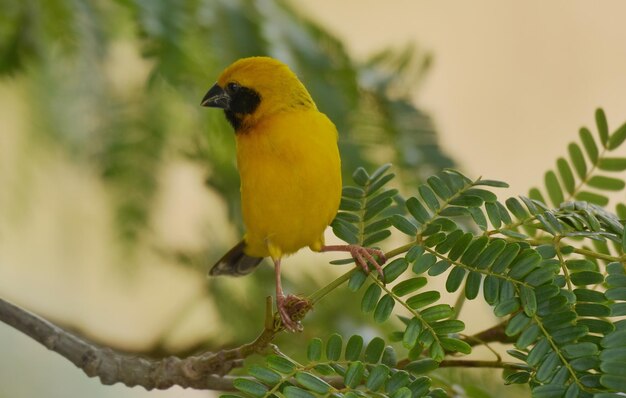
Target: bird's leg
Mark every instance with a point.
(361, 255)
(281, 302)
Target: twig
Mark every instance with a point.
(204, 371)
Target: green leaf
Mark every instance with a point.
(349, 205)
(250, 387)
(422, 366)
(377, 377)
(314, 350)
(420, 386)
(548, 391)
(377, 226)
(479, 217)
(357, 280)
(394, 269)
(439, 268)
(374, 350)
(413, 330)
(264, 374)
(578, 350)
(507, 307)
(491, 289)
(493, 214)
(423, 263)
(403, 224)
(526, 262)
(466, 200)
(454, 211)
(612, 164)
(436, 351)
(333, 347)
(606, 183)
(617, 138)
(490, 253)
(312, 382)
(379, 172)
(578, 160)
(592, 309)
(449, 241)
(455, 278)
(529, 301)
(455, 345)
(589, 144)
(615, 339)
(280, 364)
(370, 298)
(528, 336)
(409, 286)
(375, 186)
(472, 285)
(517, 324)
(353, 192)
(434, 239)
(390, 358)
(591, 197)
(439, 187)
(397, 380)
(376, 237)
(448, 326)
(437, 312)
(603, 127)
(372, 210)
(567, 177)
(554, 189)
(296, 392)
(423, 299)
(537, 353)
(429, 197)
(505, 258)
(343, 231)
(460, 246)
(354, 347)
(361, 177)
(486, 196)
(384, 308)
(516, 208)
(492, 183)
(586, 278)
(617, 383)
(517, 378)
(417, 210)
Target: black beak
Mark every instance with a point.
(216, 98)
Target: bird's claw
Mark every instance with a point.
(292, 310)
(363, 255)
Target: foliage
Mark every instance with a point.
(128, 133)
(561, 302)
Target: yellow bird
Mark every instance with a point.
(289, 165)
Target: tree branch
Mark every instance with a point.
(204, 371)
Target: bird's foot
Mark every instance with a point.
(292, 310)
(363, 255)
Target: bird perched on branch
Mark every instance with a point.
(290, 169)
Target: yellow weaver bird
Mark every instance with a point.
(289, 165)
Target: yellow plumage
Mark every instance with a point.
(290, 182)
(289, 165)
(288, 161)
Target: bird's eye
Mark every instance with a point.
(233, 87)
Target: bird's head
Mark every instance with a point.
(254, 88)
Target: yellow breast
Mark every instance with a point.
(290, 182)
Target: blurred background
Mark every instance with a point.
(118, 192)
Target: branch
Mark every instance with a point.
(204, 371)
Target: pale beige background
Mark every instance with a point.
(509, 79)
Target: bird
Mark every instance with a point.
(290, 170)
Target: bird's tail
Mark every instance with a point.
(236, 262)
